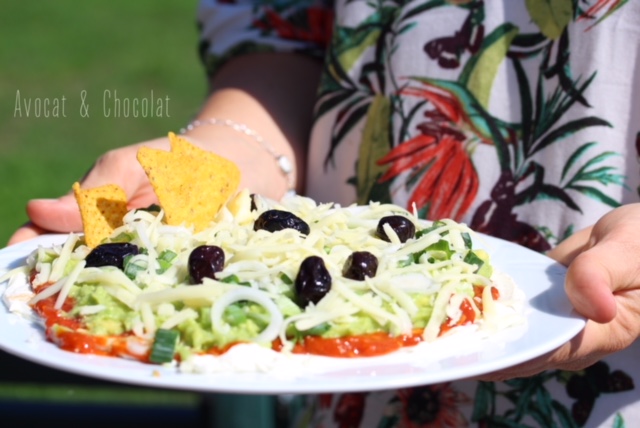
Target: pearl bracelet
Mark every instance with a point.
(283, 162)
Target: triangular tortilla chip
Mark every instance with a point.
(191, 184)
(181, 145)
(102, 209)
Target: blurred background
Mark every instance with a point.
(66, 51)
(73, 53)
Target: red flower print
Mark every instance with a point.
(448, 181)
(349, 410)
(593, 11)
(449, 112)
(432, 406)
(325, 400)
(596, 8)
(315, 25)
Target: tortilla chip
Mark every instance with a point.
(182, 146)
(191, 184)
(102, 209)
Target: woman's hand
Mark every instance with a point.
(603, 284)
(118, 166)
(236, 94)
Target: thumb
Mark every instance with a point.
(607, 267)
(589, 285)
(55, 215)
(606, 270)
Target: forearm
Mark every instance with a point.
(272, 94)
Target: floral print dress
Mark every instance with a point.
(520, 118)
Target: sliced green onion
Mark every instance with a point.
(435, 225)
(233, 279)
(440, 250)
(406, 262)
(318, 330)
(123, 237)
(131, 269)
(285, 278)
(473, 259)
(468, 242)
(164, 260)
(261, 320)
(234, 315)
(167, 256)
(164, 346)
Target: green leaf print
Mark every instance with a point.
(332, 101)
(552, 192)
(575, 156)
(597, 195)
(600, 174)
(354, 111)
(388, 421)
(351, 43)
(551, 16)
(567, 130)
(375, 144)
(619, 421)
(524, 401)
(543, 401)
(590, 172)
(421, 8)
(563, 414)
(483, 403)
(361, 40)
(526, 110)
(480, 71)
(502, 422)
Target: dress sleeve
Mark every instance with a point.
(235, 27)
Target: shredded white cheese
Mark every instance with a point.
(261, 268)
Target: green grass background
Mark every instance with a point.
(58, 49)
(64, 47)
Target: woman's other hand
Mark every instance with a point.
(603, 284)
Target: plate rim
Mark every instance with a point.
(133, 372)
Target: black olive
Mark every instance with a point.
(204, 262)
(152, 208)
(313, 281)
(111, 254)
(274, 220)
(402, 226)
(254, 207)
(359, 265)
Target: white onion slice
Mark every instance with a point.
(58, 265)
(260, 297)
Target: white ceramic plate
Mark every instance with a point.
(551, 322)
